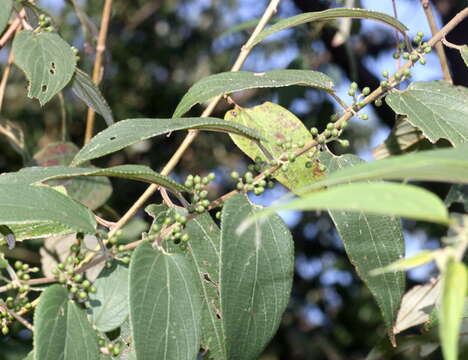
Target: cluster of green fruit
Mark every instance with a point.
(66, 274)
(44, 23)
(16, 304)
(176, 224)
(332, 132)
(422, 48)
(113, 348)
(198, 185)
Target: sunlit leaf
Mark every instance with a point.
(464, 54)
(229, 82)
(47, 60)
(437, 108)
(419, 259)
(275, 123)
(131, 131)
(454, 289)
(329, 15)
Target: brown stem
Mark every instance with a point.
(6, 74)
(98, 65)
(16, 316)
(12, 28)
(439, 47)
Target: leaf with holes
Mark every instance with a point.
(93, 192)
(131, 131)
(371, 241)
(165, 306)
(47, 60)
(109, 305)
(228, 82)
(437, 108)
(38, 174)
(26, 204)
(7, 6)
(88, 91)
(255, 278)
(61, 329)
(329, 15)
(274, 123)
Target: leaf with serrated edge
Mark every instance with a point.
(416, 306)
(131, 131)
(93, 192)
(7, 6)
(61, 329)
(228, 82)
(203, 252)
(87, 90)
(256, 272)
(165, 306)
(446, 165)
(371, 241)
(47, 60)
(26, 204)
(437, 108)
(454, 287)
(38, 174)
(275, 123)
(328, 15)
(109, 304)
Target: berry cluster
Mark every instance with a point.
(198, 185)
(44, 23)
(332, 132)
(246, 181)
(78, 287)
(112, 348)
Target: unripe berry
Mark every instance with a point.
(235, 175)
(364, 116)
(366, 91)
(314, 131)
(385, 74)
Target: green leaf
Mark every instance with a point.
(405, 264)
(47, 60)
(256, 272)
(37, 174)
(404, 138)
(87, 90)
(464, 54)
(246, 25)
(25, 204)
(61, 329)
(165, 307)
(228, 82)
(437, 108)
(371, 241)
(204, 254)
(7, 6)
(328, 15)
(93, 192)
(447, 165)
(454, 289)
(274, 123)
(131, 131)
(109, 305)
(391, 199)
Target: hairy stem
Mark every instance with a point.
(98, 65)
(439, 47)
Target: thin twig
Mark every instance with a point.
(439, 47)
(269, 12)
(6, 74)
(12, 28)
(16, 316)
(397, 34)
(98, 65)
(451, 45)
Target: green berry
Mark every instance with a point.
(407, 73)
(344, 143)
(197, 179)
(235, 175)
(344, 125)
(309, 164)
(422, 61)
(259, 190)
(364, 116)
(86, 284)
(396, 55)
(74, 248)
(366, 91)
(327, 133)
(78, 278)
(330, 126)
(291, 157)
(420, 34)
(414, 57)
(203, 194)
(351, 92)
(73, 290)
(92, 289)
(383, 83)
(211, 176)
(417, 39)
(385, 74)
(205, 203)
(427, 49)
(200, 209)
(378, 102)
(18, 265)
(83, 295)
(321, 139)
(218, 215)
(5, 330)
(334, 117)
(188, 183)
(322, 167)
(353, 85)
(314, 131)
(240, 186)
(406, 56)
(335, 132)
(25, 277)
